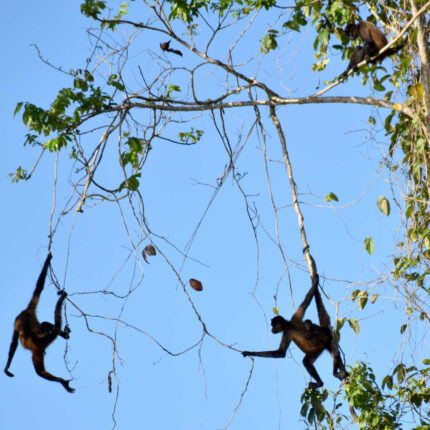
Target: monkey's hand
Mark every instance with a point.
(67, 331)
(246, 353)
(8, 373)
(62, 293)
(342, 76)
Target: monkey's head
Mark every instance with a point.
(351, 31)
(279, 324)
(307, 324)
(47, 327)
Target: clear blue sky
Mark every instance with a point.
(331, 152)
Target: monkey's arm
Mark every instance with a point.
(12, 350)
(279, 353)
(57, 312)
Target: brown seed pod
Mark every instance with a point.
(149, 250)
(196, 285)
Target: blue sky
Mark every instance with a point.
(330, 151)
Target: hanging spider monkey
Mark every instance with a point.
(373, 41)
(165, 46)
(310, 338)
(37, 336)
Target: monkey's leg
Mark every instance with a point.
(339, 370)
(12, 350)
(39, 366)
(323, 315)
(308, 363)
(39, 285)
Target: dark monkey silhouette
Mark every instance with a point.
(310, 338)
(373, 41)
(165, 46)
(37, 336)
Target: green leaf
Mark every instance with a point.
(171, 89)
(331, 196)
(132, 183)
(114, 82)
(369, 245)
(383, 205)
(354, 294)
(362, 299)
(339, 324)
(268, 43)
(410, 210)
(374, 297)
(18, 108)
(401, 373)
(388, 381)
(354, 325)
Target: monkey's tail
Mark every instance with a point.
(390, 51)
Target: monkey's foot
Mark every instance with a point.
(65, 384)
(8, 373)
(315, 385)
(342, 375)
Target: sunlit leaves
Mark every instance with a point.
(369, 245)
(374, 298)
(17, 108)
(362, 297)
(383, 205)
(353, 323)
(57, 143)
(313, 409)
(92, 8)
(190, 137)
(171, 89)
(115, 82)
(132, 183)
(20, 174)
(331, 197)
(135, 149)
(268, 42)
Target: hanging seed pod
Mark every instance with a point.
(149, 250)
(196, 285)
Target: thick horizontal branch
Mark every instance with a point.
(181, 106)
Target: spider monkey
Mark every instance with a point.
(165, 46)
(37, 336)
(373, 41)
(313, 343)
